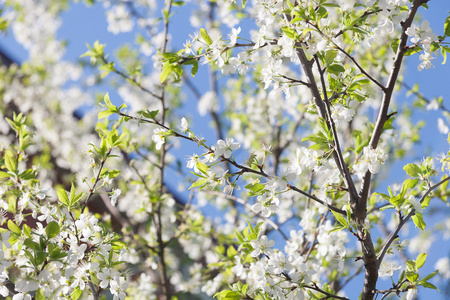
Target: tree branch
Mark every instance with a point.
(340, 158)
(320, 104)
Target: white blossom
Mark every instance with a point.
(387, 268)
(370, 161)
(415, 204)
(226, 147)
(262, 245)
(233, 36)
(266, 206)
(158, 138)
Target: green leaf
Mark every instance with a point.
(62, 196)
(239, 236)
(202, 167)
(39, 295)
(420, 260)
(228, 295)
(397, 201)
(27, 175)
(199, 183)
(410, 265)
(108, 103)
(255, 189)
(194, 69)
(244, 288)
(205, 36)
(428, 285)
(330, 56)
(447, 26)
(5, 175)
(52, 229)
(104, 114)
(231, 252)
(72, 194)
(10, 161)
(32, 244)
(337, 228)
(412, 170)
(150, 114)
(408, 184)
(166, 71)
(340, 218)
(289, 32)
(418, 221)
(27, 230)
(244, 2)
(76, 294)
(335, 69)
(412, 276)
(429, 276)
(14, 228)
(178, 3)
(384, 196)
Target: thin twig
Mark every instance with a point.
(132, 80)
(345, 173)
(312, 197)
(316, 288)
(394, 234)
(97, 179)
(361, 69)
(421, 96)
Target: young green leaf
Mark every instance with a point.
(63, 197)
(412, 170)
(14, 228)
(52, 229)
(418, 221)
(340, 218)
(10, 161)
(420, 260)
(205, 36)
(104, 114)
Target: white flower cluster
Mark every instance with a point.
(389, 15)
(225, 148)
(423, 35)
(307, 158)
(266, 205)
(158, 138)
(119, 19)
(342, 115)
(370, 161)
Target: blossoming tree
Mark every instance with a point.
(304, 122)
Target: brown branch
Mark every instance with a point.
(371, 262)
(361, 69)
(166, 286)
(312, 197)
(345, 173)
(383, 113)
(328, 295)
(97, 179)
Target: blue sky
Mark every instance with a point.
(83, 25)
